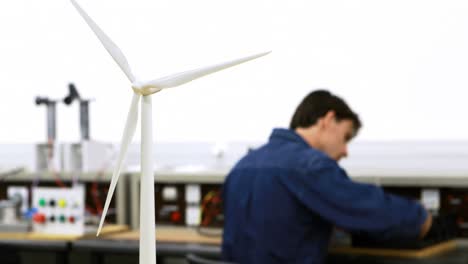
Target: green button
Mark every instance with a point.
(42, 202)
(62, 218)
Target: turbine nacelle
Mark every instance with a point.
(144, 89)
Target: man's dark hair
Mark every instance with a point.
(317, 104)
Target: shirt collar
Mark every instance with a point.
(284, 134)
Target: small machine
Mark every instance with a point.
(11, 212)
(86, 155)
(77, 157)
(46, 153)
(59, 210)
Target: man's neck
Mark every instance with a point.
(310, 136)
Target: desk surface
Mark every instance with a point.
(169, 238)
(171, 241)
(31, 236)
(400, 253)
(172, 235)
(181, 240)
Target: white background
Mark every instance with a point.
(402, 65)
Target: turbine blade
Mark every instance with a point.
(187, 76)
(110, 46)
(130, 126)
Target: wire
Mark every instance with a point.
(50, 164)
(204, 204)
(209, 210)
(210, 207)
(96, 197)
(96, 193)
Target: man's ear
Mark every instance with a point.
(329, 117)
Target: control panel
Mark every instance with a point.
(200, 204)
(58, 210)
(189, 204)
(455, 201)
(170, 204)
(441, 201)
(94, 192)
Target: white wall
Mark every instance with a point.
(401, 64)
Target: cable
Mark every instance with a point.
(210, 207)
(209, 210)
(50, 164)
(95, 187)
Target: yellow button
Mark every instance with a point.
(62, 203)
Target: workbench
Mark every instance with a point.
(43, 248)
(180, 241)
(170, 242)
(116, 244)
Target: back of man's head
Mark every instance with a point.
(317, 104)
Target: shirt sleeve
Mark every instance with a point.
(324, 188)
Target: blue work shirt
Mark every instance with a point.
(282, 200)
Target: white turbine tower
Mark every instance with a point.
(145, 89)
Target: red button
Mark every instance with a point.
(71, 219)
(39, 218)
(175, 216)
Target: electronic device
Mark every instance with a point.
(59, 210)
(86, 156)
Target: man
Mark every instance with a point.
(282, 200)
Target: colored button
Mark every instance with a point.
(52, 203)
(39, 218)
(71, 219)
(62, 218)
(175, 216)
(52, 218)
(42, 202)
(62, 203)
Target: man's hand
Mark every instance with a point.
(426, 226)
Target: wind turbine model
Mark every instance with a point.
(145, 89)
